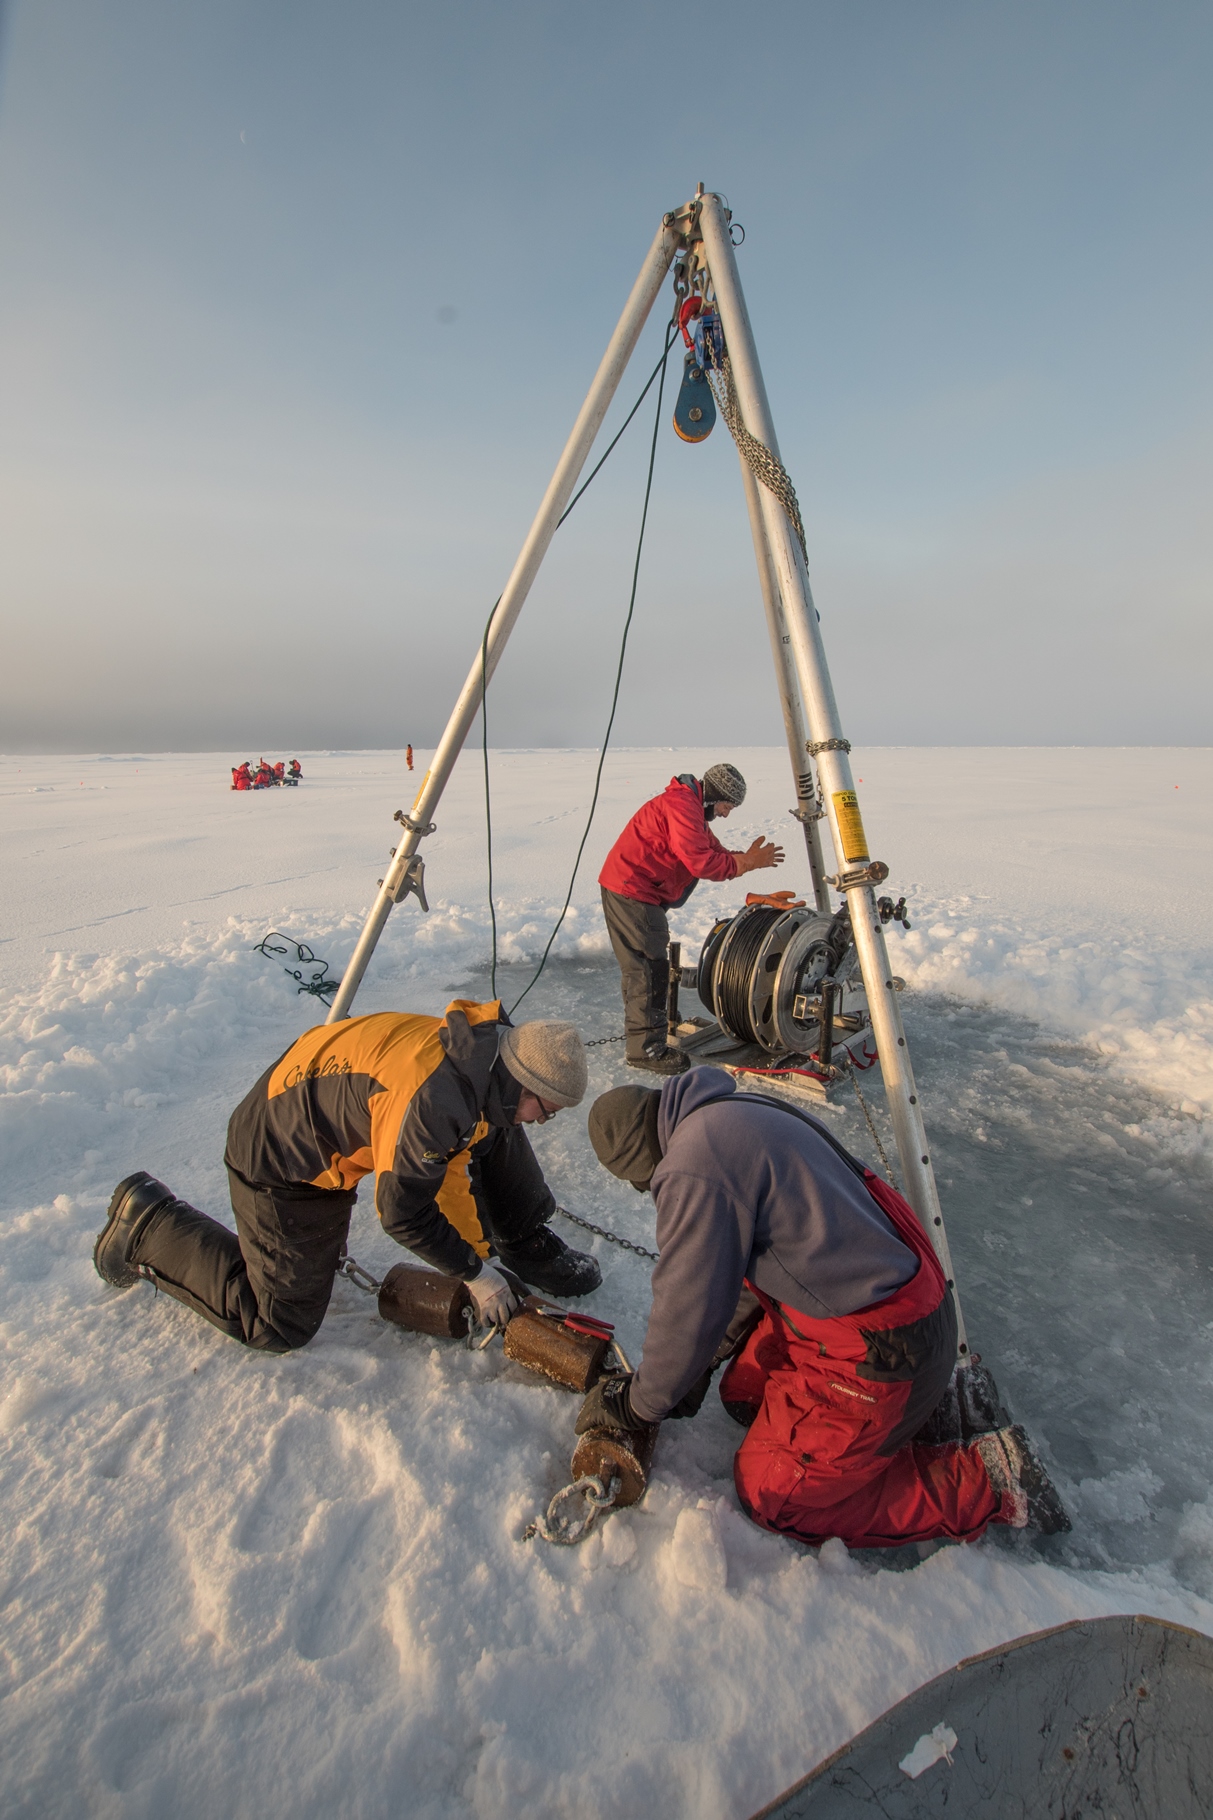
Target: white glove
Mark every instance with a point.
(496, 1299)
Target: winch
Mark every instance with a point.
(780, 984)
(761, 974)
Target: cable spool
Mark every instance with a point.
(760, 968)
(705, 973)
(735, 964)
(814, 952)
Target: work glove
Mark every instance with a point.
(497, 1295)
(609, 1405)
(692, 1402)
(778, 900)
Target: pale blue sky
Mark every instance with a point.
(256, 491)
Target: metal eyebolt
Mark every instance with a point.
(566, 1532)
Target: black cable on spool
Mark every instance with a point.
(734, 965)
(705, 973)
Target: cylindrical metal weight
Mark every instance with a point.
(555, 1351)
(608, 1453)
(424, 1301)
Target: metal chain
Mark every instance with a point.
(601, 1232)
(554, 1526)
(766, 467)
(888, 1168)
(348, 1267)
(600, 1040)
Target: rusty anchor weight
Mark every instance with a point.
(610, 1471)
(609, 1453)
(568, 1350)
(426, 1301)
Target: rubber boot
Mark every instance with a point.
(199, 1262)
(131, 1206)
(550, 1266)
(665, 1060)
(970, 1407)
(1016, 1472)
(151, 1234)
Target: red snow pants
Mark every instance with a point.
(816, 1462)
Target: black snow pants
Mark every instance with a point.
(640, 937)
(268, 1283)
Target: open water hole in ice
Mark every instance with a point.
(1081, 1230)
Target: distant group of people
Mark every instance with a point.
(263, 776)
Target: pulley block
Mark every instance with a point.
(695, 411)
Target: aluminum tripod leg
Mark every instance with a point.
(833, 763)
(789, 692)
(619, 351)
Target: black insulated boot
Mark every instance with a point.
(969, 1408)
(550, 1266)
(661, 1061)
(1014, 1469)
(132, 1205)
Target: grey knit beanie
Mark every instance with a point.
(723, 784)
(549, 1059)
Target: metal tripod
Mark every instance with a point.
(698, 234)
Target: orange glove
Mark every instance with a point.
(778, 900)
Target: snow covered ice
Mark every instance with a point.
(234, 1582)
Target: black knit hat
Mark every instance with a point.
(723, 784)
(623, 1131)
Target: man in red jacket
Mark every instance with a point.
(654, 866)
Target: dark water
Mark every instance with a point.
(1083, 1248)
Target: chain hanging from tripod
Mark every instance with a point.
(766, 467)
(708, 359)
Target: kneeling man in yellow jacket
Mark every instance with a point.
(435, 1107)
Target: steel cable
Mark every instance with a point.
(734, 966)
(484, 656)
(659, 373)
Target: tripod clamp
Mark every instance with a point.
(874, 873)
(412, 882)
(406, 821)
(890, 912)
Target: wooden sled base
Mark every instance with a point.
(795, 1076)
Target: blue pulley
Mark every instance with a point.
(695, 411)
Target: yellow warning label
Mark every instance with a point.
(425, 780)
(850, 825)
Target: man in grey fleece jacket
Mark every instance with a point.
(781, 1251)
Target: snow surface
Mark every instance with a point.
(234, 1583)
